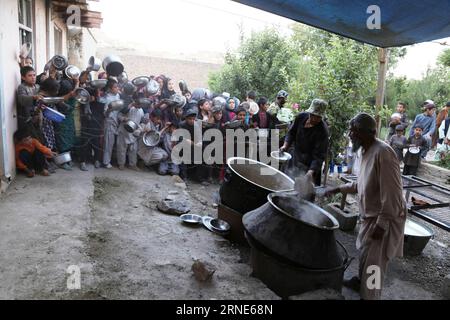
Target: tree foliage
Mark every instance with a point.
(435, 85)
(444, 58)
(266, 63)
(311, 64)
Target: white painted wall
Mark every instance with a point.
(10, 71)
(9, 80)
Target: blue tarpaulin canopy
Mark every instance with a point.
(402, 22)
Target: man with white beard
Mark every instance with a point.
(382, 207)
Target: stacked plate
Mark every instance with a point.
(214, 225)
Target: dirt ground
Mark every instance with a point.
(106, 223)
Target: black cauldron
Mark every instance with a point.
(294, 231)
(248, 182)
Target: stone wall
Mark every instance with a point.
(434, 174)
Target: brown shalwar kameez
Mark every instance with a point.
(381, 202)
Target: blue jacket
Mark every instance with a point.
(427, 123)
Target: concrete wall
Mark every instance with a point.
(9, 79)
(43, 38)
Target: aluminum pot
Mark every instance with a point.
(59, 62)
(94, 64)
(141, 81)
(113, 65)
(130, 126)
(152, 87)
(183, 86)
(247, 183)
(151, 139)
(118, 105)
(62, 158)
(122, 78)
(82, 96)
(298, 231)
(98, 84)
(72, 72)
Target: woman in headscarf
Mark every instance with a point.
(65, 130)
(230, 109)
(168, 89)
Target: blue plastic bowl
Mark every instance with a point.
(54, 115)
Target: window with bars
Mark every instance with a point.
(26, 23)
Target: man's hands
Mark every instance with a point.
(38, 97)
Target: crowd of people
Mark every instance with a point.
(98, 130)
(428, 131)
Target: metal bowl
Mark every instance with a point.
(152, 87)
(99, 84)
(141, 81)
(62, 158)
(113, 65)
(117, 105)
(151, 139)
(82, 96)
(59, 62)
(144, 101)
(233, 124)
(220, 226)
(130, 126)
(52, 100)
(72, 72)
(191, 218)
(94, 64)
(414, 150)
(281, 157)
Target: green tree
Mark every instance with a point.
(266, 63)
(339, 70)
(444, 58)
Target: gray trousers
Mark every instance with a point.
(108, 145)
(168, 167)
(124, 149)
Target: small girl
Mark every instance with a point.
(111, 120)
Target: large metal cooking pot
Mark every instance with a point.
(94, 64)
(113, 65)
(247, 184)
(295, 230)
(287, 280)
